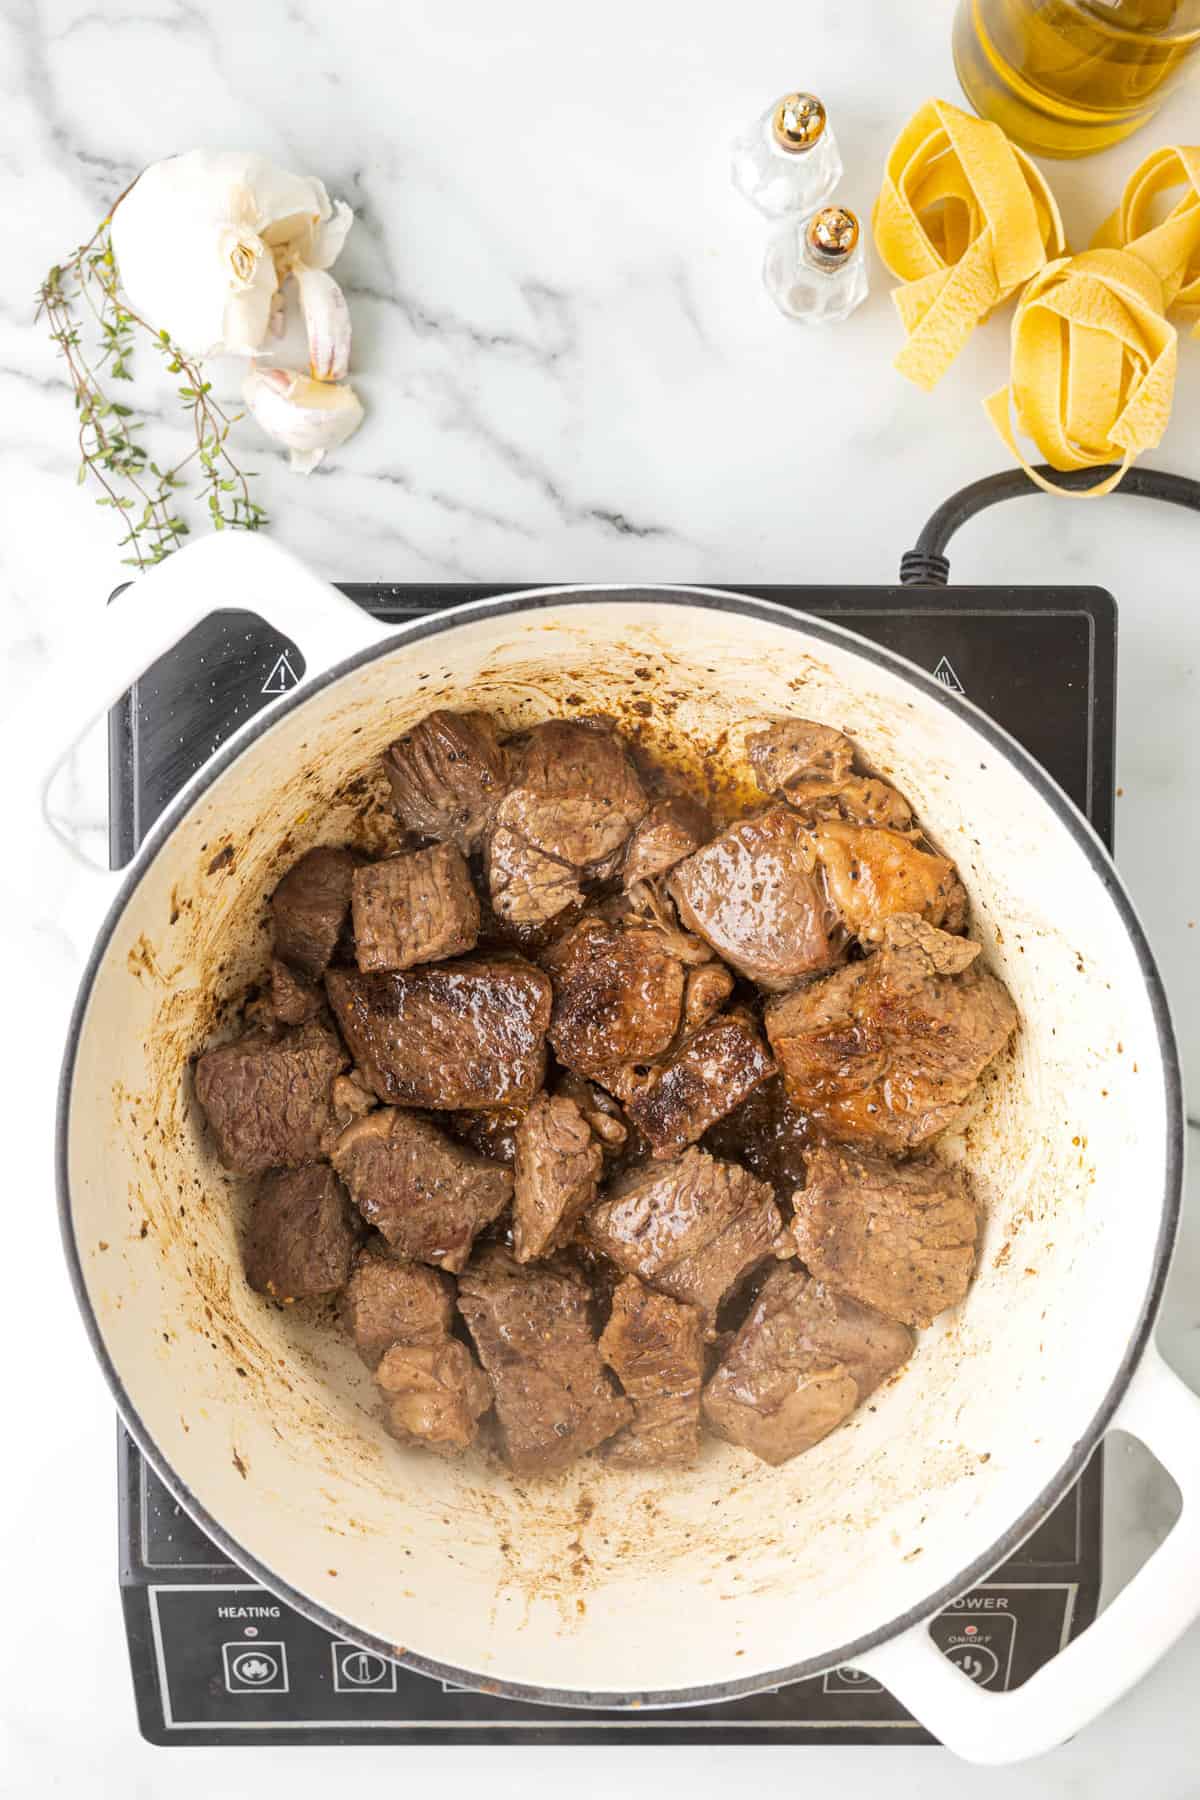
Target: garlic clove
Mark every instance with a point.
(308, 417)
(327, 322)
(329, 237)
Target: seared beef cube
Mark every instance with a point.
(557, 1171)
(446, 775)
(801, 1363)
(793, 750)
(753, 894)
(399, 1315)
(575, 793)
(418, 907)
(429, 1196)
(656, 1346)
(293, 999)
(871, 875)
(267, 1098)
(767, 1133)
(310, 907)
(598, 1108)
(303, 1234)
(388, 1301)
(572, 803)
(671, 830)
(710, 1073)
(455, 1037)
(435, 1393)
(531, 1325)
(889, 1050)
(691, 1228)
(899, 1236)
(810, 765)
(618, 996)
(528, 889)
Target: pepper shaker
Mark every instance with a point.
(788, 160)
(815, 269)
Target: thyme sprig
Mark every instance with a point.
(97, 332)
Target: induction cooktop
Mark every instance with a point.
(217, 1659)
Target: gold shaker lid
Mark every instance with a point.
(833, 233)
(798, 122)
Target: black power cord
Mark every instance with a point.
(927, 565)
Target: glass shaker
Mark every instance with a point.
(787, 161)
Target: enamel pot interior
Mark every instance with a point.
(607, 1583)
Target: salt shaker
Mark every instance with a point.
(815, 269)
(788, 161)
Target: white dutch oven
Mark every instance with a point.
(613, 1589)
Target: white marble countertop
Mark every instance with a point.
(571, 373)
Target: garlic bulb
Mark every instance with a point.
(307, 416)
(204, 241)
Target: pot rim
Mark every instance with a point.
(1065, 810)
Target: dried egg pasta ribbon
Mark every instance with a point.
(963, 218)
(1093, 366)
(1172, 247)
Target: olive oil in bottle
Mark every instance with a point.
(1066, 77)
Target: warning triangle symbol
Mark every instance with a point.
(281, 678)
(945, 673)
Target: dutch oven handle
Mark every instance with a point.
(1104, 1662)
(234, 570)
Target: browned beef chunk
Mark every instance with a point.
(492, 1133)
(429, 1196)
(810, 765)
(656, 1346)
(446, 775)
(267, 1099)
(310, 908)
(455, 1037)
(753, 893)
(388, 1301)
(293, 999)
(769, 1134)
(870, 875)
(528, 888)
(418, 907)
(435, 1393)
(887, 1051)
(618, 995)
(303, 1234)
(557, 1171)
(691, 1228)
(793, 750)
(712, 1071)
(598, 1108)
(574, 799)
(859, 839)
(671, 830)
(899, 1236)
(532, 1328)
(801, 1363)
